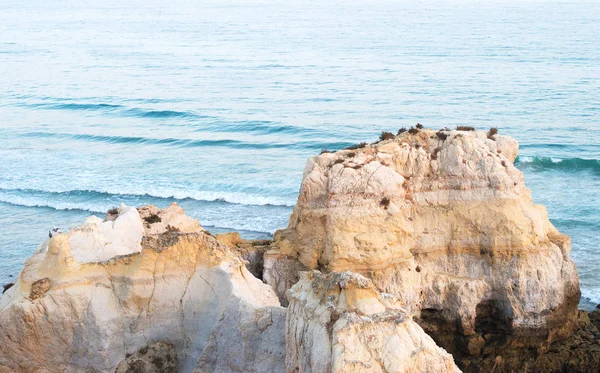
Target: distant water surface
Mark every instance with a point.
(217, 105)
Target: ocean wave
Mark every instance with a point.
(75, 106)
(145, 113)
(262, 127)
(36, 197)
(591, 295)
(122, 110)
(314, 145)
(207, 221)
(65, 206)
(244, 227)
(568, 164)
(255, 126)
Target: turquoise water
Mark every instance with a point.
(218, 106)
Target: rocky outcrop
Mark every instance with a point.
(442, 220)
(100, 296)
(422, 238)
(340, 323)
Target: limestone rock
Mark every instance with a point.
(445, 223)
(340, 323)
(75, 308)
(251, 342)
(98, 240)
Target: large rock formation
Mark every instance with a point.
(340, 323)
(442, 220)
(438, 226)
(112, 294)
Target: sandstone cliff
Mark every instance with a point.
(442, 220)
(150, 292)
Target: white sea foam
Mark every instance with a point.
(230, 197)
(592, 295)
(35, 202)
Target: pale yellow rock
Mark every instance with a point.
(177, 285)
(341, 323)
(445, 225)
(230, 239)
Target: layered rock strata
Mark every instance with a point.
(442, 220)
(340, 323)
(100, 296)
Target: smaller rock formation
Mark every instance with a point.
(340, 323)
(144, 290)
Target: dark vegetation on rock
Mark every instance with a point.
(493, 131)
(357, 146)
(153, 219)
(386, 136)
(441, 135)
(385, 202)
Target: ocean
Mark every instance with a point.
(218, 105)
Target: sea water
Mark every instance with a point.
(217, 105)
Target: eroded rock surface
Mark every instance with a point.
(445, 223)
(158, 357)
(341, 323)
(170, 282)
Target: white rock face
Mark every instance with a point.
(445, 223)
(183, 289)
(98, 240)
(340, 323)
